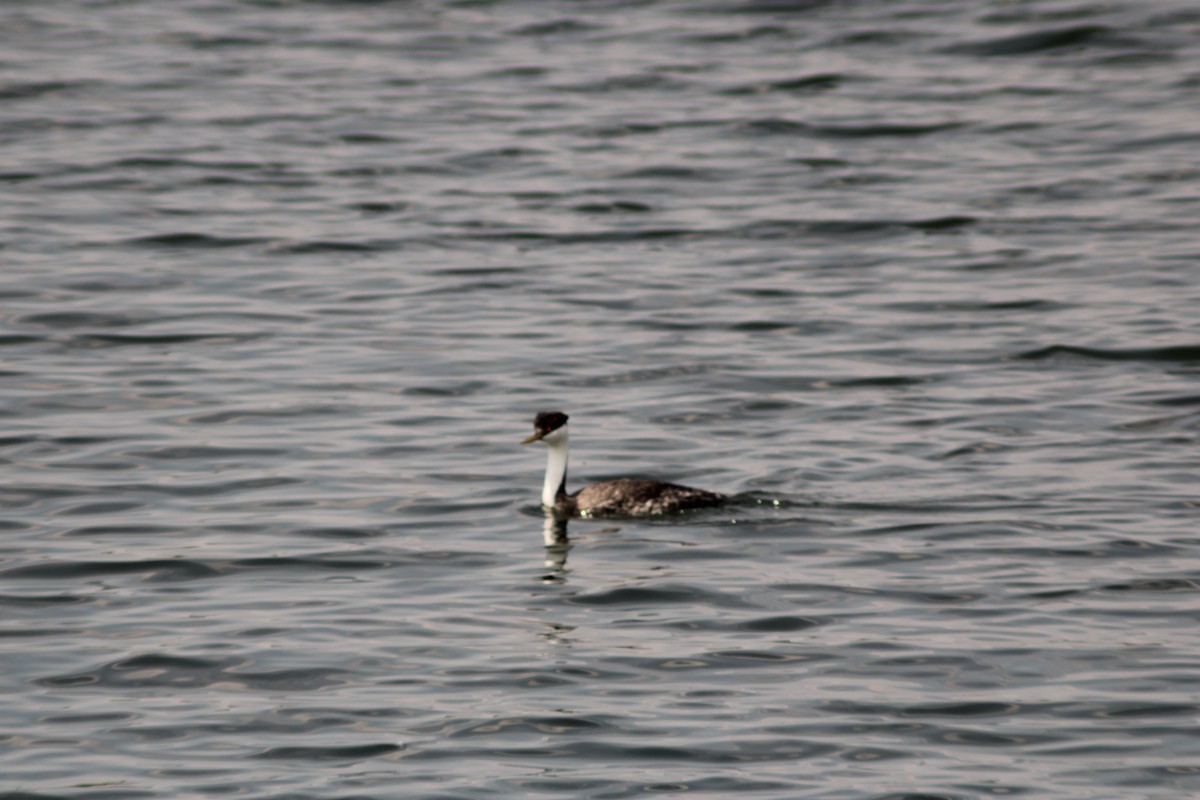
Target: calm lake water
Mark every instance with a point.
(282, 285)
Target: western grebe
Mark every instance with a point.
(628, 497)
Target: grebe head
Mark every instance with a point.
(549, 427)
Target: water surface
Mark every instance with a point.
(284, 283)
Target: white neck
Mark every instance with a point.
(556, 465)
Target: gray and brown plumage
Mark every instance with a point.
(625, 497)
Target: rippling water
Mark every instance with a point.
(284, 282)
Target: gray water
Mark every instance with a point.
(283, 284)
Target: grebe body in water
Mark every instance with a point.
(626, 497)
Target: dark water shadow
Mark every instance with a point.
(556, 534)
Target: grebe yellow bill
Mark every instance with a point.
(626, 497)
